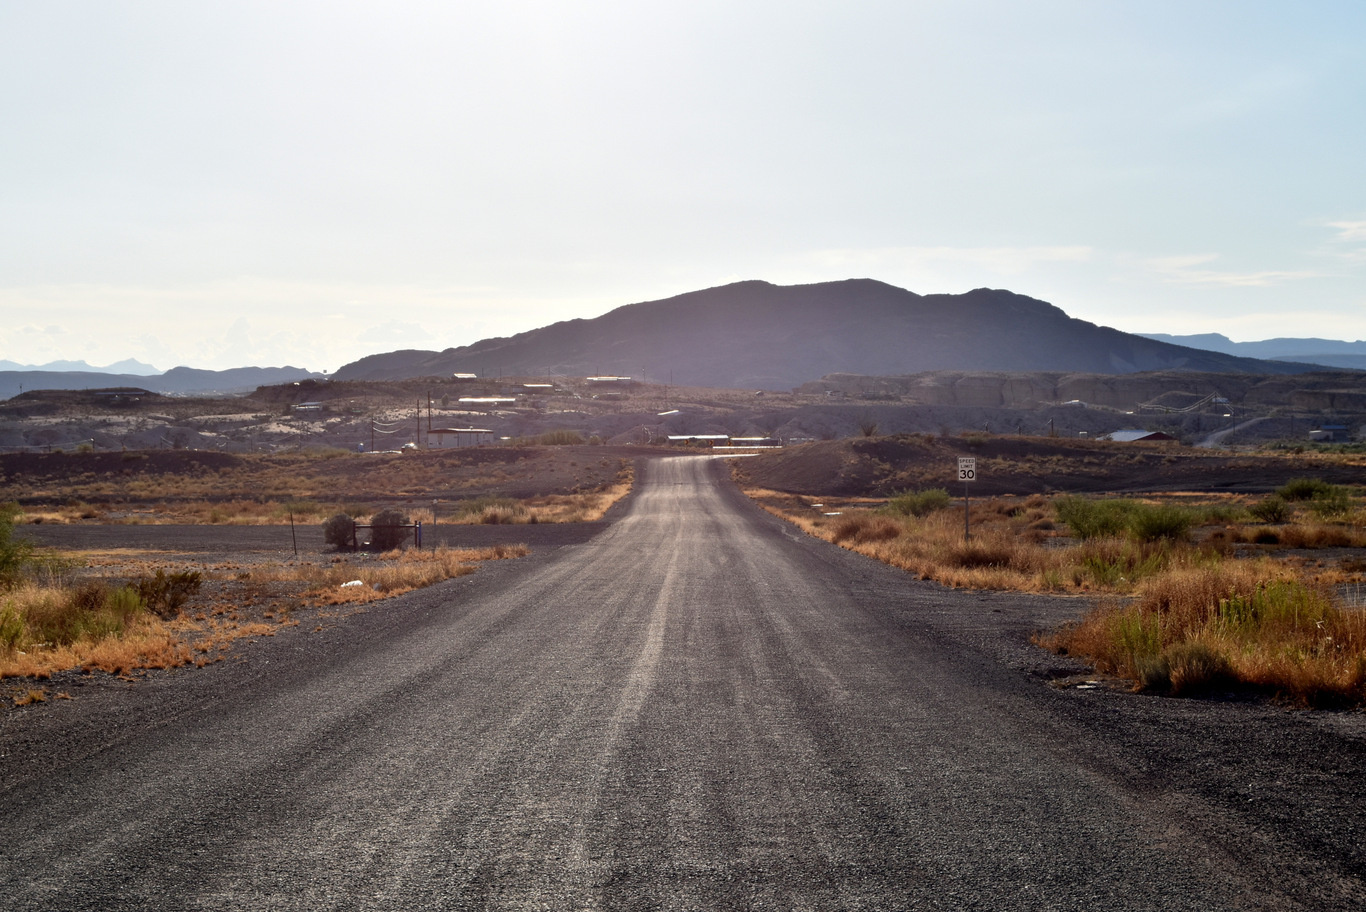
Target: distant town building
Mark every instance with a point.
(1136, 436)
(1329, 433)
(449, 438)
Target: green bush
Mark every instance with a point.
(16, 555)
(165, 594)
(1304, 489)
(1158, 522)
(1119, 563)
(388, 530)
(1094, 518)
(919, 503)
(1220, 513)
(11, 627)
(340, 532)
(90, 610)
(1273, 509)
(1334, 503)
(1112, 518)
(1288, 604)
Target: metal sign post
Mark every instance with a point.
(967, 473)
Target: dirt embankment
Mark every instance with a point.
(878, 466)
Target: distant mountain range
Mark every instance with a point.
(764, 336)
(756, 334)
(1328, 352)
(130, 366)
(176, 381)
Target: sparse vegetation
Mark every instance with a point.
(492, 510)
(1184, 613)
(553, 438)
(16, 554)
(99, 624)
(120, 613)
(919, 503)
(1232, 624)
(1297, 489)
(1143, 522)
(1273, 509)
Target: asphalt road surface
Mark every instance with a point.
(698, 708)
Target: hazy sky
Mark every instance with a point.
(219, 184)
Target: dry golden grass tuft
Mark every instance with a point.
(1239, 623)
(241, 600)
(395, 573)
(1003, 553)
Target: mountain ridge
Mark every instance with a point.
(1327, 352)
(176, 381)
(766, 336)
(128, 366)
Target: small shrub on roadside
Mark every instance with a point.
(48, 616)
(165, 594)
(388, 530)
(1185, 669)
(858, 528)
(340, 532)
(919, 503)
(977, 553)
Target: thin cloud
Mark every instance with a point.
(998, 260)
(1349, 242)
(1350, 232)
(1190, 270)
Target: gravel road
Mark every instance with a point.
(696, 708)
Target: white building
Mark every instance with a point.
(444, 438)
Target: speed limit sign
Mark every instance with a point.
(967, 468)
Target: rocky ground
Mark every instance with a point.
(1235, 410)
